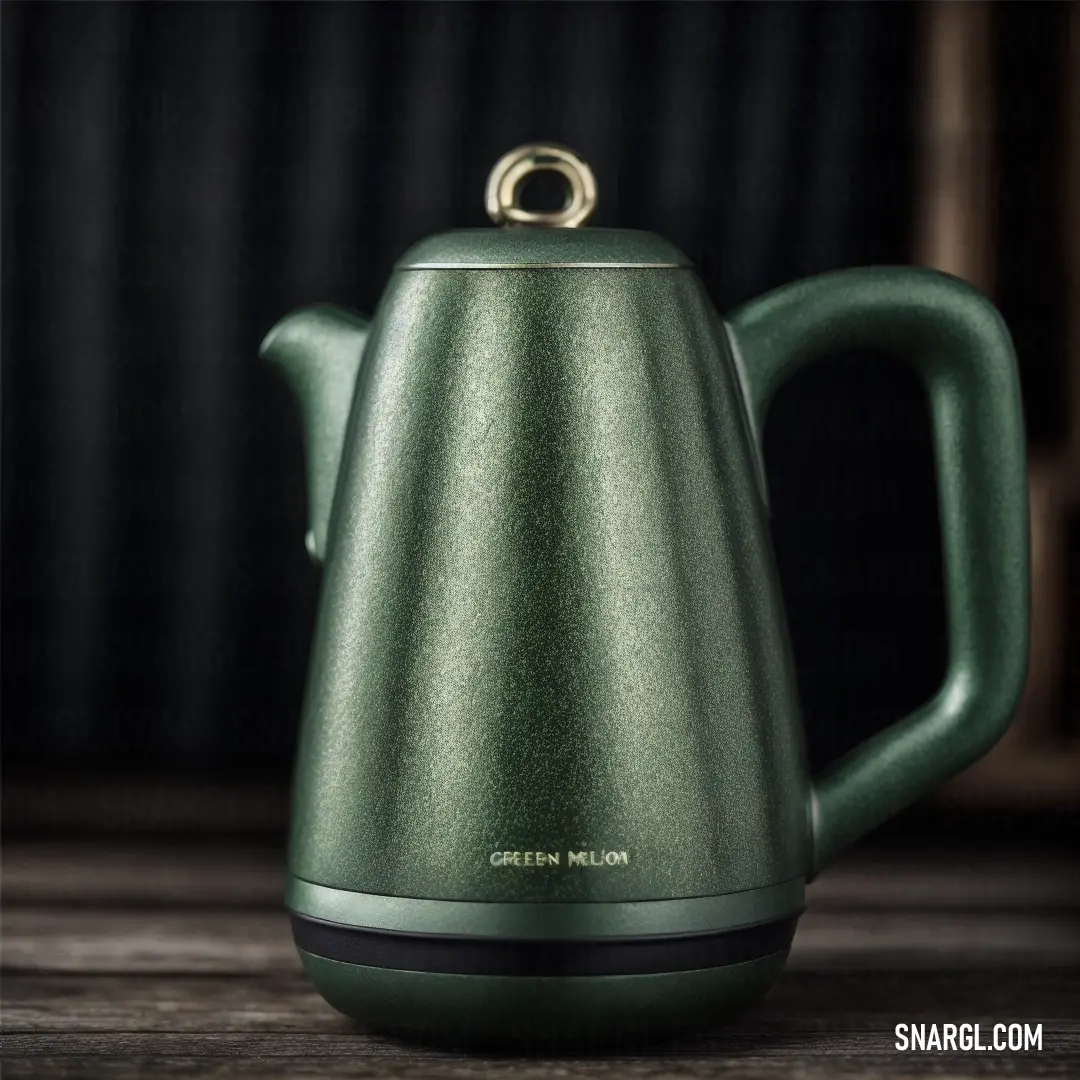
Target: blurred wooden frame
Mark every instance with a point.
(1035, 764)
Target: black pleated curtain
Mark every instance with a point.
(177, 176)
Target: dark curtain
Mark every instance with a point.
(177, 176)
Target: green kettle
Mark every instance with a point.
(551, 785)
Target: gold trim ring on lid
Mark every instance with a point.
(512, 169)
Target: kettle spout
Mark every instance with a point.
(319, 350)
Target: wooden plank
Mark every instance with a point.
(193, 1003)
(859, 1052)
(734, 1041)
(822, 1024)
(802, 1001)
(144, 873)
(180, 942)
(738, 1066)
(949, 882)
(929, 941)
(182, 875)
(234, 942)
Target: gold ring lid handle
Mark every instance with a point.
(513, 169)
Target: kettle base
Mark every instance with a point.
(603, 1012)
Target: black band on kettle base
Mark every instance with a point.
(463, 955)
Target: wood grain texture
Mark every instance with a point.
(176, 961)
(143, 873)
(802, 1001)
(410, 1067)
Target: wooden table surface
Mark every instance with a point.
(124, 960)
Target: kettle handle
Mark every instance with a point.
(957, 342)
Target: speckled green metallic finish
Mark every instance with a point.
(957, 342)
(603, 1011)
(523, 921)
(550, 618)
(319, 351)
(524, 246)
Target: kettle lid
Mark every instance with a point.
(541, 239)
